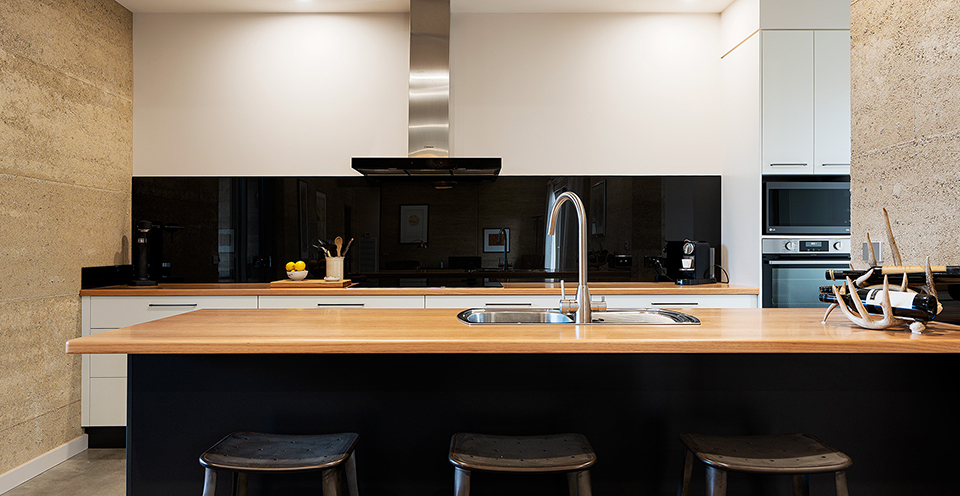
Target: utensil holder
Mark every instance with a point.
(334, 269)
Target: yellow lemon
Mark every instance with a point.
(290, 266)
(300, 265)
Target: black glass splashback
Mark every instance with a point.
(244, 229)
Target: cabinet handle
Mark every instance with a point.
(333, 305)
(172, 304)
(676, 303)
(528, 304)
(835, 165)
(789, 165)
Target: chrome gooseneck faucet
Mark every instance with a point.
(582, 302)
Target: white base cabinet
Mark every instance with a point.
(103, 378)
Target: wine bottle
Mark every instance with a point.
(951, 275)
(904, 304)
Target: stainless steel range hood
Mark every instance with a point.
(428, 131)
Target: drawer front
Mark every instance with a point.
(493, 301)
(108, 402)
(114, 365)
(341, 301)
(681, 301)
(110, 312)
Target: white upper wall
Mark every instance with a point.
(267, 94)
(587, 94)
(278, 94)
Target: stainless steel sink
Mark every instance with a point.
(641, 316)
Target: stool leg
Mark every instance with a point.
(801, 485)
(351, 470)
(684, 488)
(461, 482)
(579, 483)
(841, 477)
(209, 482)
(240, 483)
(332, 485)
(716, 481)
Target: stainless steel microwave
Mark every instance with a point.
(806, 207)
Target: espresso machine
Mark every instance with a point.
(689, 262)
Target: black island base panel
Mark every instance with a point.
(893, 414)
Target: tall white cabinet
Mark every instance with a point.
(805, 101)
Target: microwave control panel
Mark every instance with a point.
(807, 246)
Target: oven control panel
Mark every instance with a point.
(807, 246)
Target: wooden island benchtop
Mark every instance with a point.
(346, 330)
(509, 288)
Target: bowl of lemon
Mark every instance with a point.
(296, 271)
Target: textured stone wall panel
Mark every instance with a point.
(56, 127)
(49, 230)
(66, 121)
(905, 109)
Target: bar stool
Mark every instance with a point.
(556, 453)
(798, 455)
(244, 453)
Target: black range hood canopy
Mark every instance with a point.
(440, 168)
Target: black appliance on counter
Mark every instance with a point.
(141, 276)
(794, 267)
(689, 262)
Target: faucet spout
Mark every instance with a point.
(583, 292)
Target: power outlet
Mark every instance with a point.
(876, 250)
(652, 261)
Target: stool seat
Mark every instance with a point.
(797, 455)
(258, 452)
(770, 454)
(245, 453)
(549, 453)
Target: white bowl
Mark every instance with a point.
(297, 275)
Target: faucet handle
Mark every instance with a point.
(565, 304)
(598, 306)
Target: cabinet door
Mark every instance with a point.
(111, 312)
(681, 301)
(400, 301)
(493, 301)
(787, 109)
(832, 102)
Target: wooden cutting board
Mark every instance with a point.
(311, 283)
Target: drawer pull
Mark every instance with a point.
(172, 304)
(676, 304)
(528, 304)
(788, 164)
(334, 305)
(835, 165)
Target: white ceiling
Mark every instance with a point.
(473, 6)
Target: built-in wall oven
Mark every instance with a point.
(794, 268)
(806, 231)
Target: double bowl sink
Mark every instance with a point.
(649, 316)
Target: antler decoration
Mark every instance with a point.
(859, 315)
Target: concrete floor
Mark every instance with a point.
(94, 472)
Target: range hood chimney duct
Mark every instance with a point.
(428, 130)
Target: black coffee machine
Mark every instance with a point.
(689, 262)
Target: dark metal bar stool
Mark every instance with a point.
(798, 455)
(244, 453)
(557, 453)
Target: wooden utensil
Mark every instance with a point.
(339, 243)
(345, 250)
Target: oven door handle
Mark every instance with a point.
(808, 262)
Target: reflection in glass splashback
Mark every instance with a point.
(244, 229)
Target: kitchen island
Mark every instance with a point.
(407, 379)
